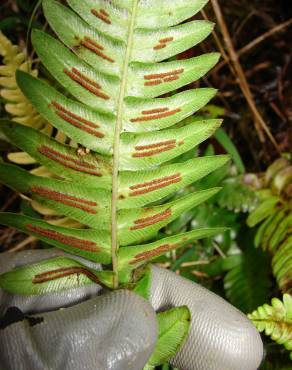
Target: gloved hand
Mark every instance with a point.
(114, 331)
(220, 338)
(118, 330)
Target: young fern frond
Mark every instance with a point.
(274, 214)
(276, 321)
(18, 106)
(115, 62)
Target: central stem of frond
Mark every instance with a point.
(118, 128)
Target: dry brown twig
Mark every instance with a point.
(260, 124)
(264, 36)
(21, 245)
(219, 44)
(280, 27)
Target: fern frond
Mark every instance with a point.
(274, 215)
(247, 284)
(276, 320)
(236, 195)
(18, 106)
(115, 63)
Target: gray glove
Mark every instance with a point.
(114, 331)
(119, 330)
(220, 338)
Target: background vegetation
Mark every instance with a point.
(252, 262)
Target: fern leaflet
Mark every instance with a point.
(276, 320)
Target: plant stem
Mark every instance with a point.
(115, 181)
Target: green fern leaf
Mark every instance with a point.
(282, 262)
(236, 196)
(91, 244)
(247, 284)
(114, 63)
(276, 321)
(274, 215)
(174, 326)
(53, 275)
